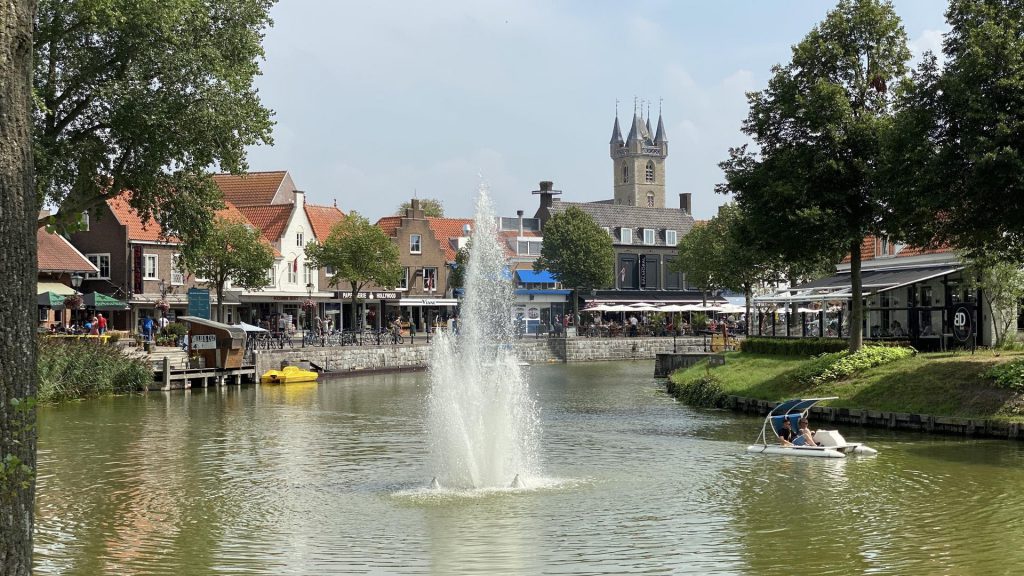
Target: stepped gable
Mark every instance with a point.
(445, 229)
(389, 224)
(635, 217)
(322, 219)
(250, 188)
(56, 254)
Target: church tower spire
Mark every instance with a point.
(638, 163)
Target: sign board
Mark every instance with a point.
(963, 323)
(716, 360)
(204, 342)
(643, 271)
(199, 303)
(137, 285)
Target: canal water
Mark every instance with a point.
(332, 478)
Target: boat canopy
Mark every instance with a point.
(797, 406)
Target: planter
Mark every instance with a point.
(196, 363)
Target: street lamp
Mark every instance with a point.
(309, 297)
(76, 283)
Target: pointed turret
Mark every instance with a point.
(647, 125)
(616, 133)
(661, 137)
(636, 131)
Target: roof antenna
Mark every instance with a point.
(414, 193)
(335, 202)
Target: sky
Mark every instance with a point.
(379, 102)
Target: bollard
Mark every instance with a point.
(673, 343)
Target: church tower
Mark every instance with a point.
(638, 162)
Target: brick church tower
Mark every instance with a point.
(638, 162)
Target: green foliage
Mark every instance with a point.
(457, 276)
(843, 365)
(71, 368)
(1002, 286)
(704, 392)
(699, 321)
(1009, 375)
(232, 251)
(809, 190)
(176, 329)
(577, 251)
(792, 346)
(360, 253)
(956, 147)
(146, 95)
(432, 208)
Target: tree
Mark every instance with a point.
(457, 276)
(360, 254)
(577, 251)
(232, 251)
(1002, 288)
(819, 126)
(432, 208)
(146, 95)
(18, 265)
(956, 151)
(699, 256)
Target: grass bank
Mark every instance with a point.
(74, 368)
(938, 384)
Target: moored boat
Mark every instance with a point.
(287, 375)
(828, 443)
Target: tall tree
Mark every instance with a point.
(699, 256)
(360, 254)
(957, 148)
(18, 266)
(819, 126)
(232, 251)
(577, 251)
(457, 276)
(146, 95)
(432, 208)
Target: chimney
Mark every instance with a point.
(466, 229)
(519, 214)
(414, 212)
(300, 199)
(547, 193)
(685, 203)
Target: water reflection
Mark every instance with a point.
(332, 478)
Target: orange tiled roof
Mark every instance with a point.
(56, 254)
(251, 188)
(444, 230)
(231, 212)
(389, 224)
(130, 219)
(870, 248)
(322, 219)
(271, 219)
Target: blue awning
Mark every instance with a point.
(531, 277)
(540, 292)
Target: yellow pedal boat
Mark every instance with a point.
(288, 375)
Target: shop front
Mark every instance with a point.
(422, 314)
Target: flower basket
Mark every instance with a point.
(308, 304)
(73, 302)
(163, 306)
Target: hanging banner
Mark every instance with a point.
(137, 286)
(643, 271)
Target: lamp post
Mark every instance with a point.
(76, 283)
(305, 326)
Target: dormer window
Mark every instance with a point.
(649, 175)
(670, 238)
(626, 235)
(649, 236)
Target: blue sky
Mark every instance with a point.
(378, 101)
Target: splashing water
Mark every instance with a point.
(483, 424)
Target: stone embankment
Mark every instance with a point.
(358, 359)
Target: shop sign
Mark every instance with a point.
(963, 323)
(643, 271)
(376, 295)
(137, 285)
(204, 342)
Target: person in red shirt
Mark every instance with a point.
(102, 323)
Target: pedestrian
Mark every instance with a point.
(103, 323)
(147, 329)
(632, 325)
(163, 322)
(94, 326)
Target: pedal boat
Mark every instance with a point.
(288, 375)
(832, 443)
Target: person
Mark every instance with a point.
(786, 434)
(103, 323)
(897, 329)
(163, 322)
(147, 329)
(94, 326)
(804, 437)
(632, 325)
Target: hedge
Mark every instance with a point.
(793, 346)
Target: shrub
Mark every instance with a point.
(793, 346)
(78, 368)
(1009, 375)
(867, 357)
(176, 329)
(705, 392)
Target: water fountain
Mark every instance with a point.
(483, 424)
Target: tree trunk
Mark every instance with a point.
(857, 304)
(220, 302)
(18, 267)
(747, 293)
(352, 318)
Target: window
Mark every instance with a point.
(299, 240)
(329, 270)
(403, 283)
(270, 276)
(625, 173)
(177, 274)
(528, 248)
(85, 222)
(626, 235)
(293, 273)
(650, 267)
(307, 274)
(650, 200)
(627, 272)
(149, 266)
(415, 244)
(101, 261)
(670, 238)
(429, 279)
(649, 175)
(607, 229)
(673, 280)
(649, 236)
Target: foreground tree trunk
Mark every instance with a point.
(857, 302)
(18, 218)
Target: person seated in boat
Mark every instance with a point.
(804, 437)
(786, 434)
